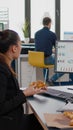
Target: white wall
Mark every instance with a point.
(39, 9)
(16, 14)
(66, 17)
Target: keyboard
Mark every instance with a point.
(59, 94)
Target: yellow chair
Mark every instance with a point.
(36, 59)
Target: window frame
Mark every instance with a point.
(57, 17)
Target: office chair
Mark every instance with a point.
(36, 59)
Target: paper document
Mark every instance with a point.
(66, 107)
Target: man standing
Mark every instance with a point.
(45, 41)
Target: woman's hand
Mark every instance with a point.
(34, 90)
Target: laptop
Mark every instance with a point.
(58, 93)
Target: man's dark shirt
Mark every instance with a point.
(45, 40)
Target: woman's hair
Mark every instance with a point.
(46, 21)
(8, 38)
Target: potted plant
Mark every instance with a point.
(25, 30)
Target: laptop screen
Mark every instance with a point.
(64, 56)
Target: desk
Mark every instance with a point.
(45, 104)
(41, 104)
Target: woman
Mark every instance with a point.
(11, 97)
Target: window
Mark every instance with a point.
(66, 17)
(40, 9)
(16, 14)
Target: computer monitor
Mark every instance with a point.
(64, 56)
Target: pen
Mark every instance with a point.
(70, 88)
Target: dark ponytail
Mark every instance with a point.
(1, 34)
(8, 38)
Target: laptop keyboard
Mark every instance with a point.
(60, 94)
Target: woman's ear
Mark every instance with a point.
(14, 48)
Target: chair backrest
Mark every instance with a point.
(36, 58)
